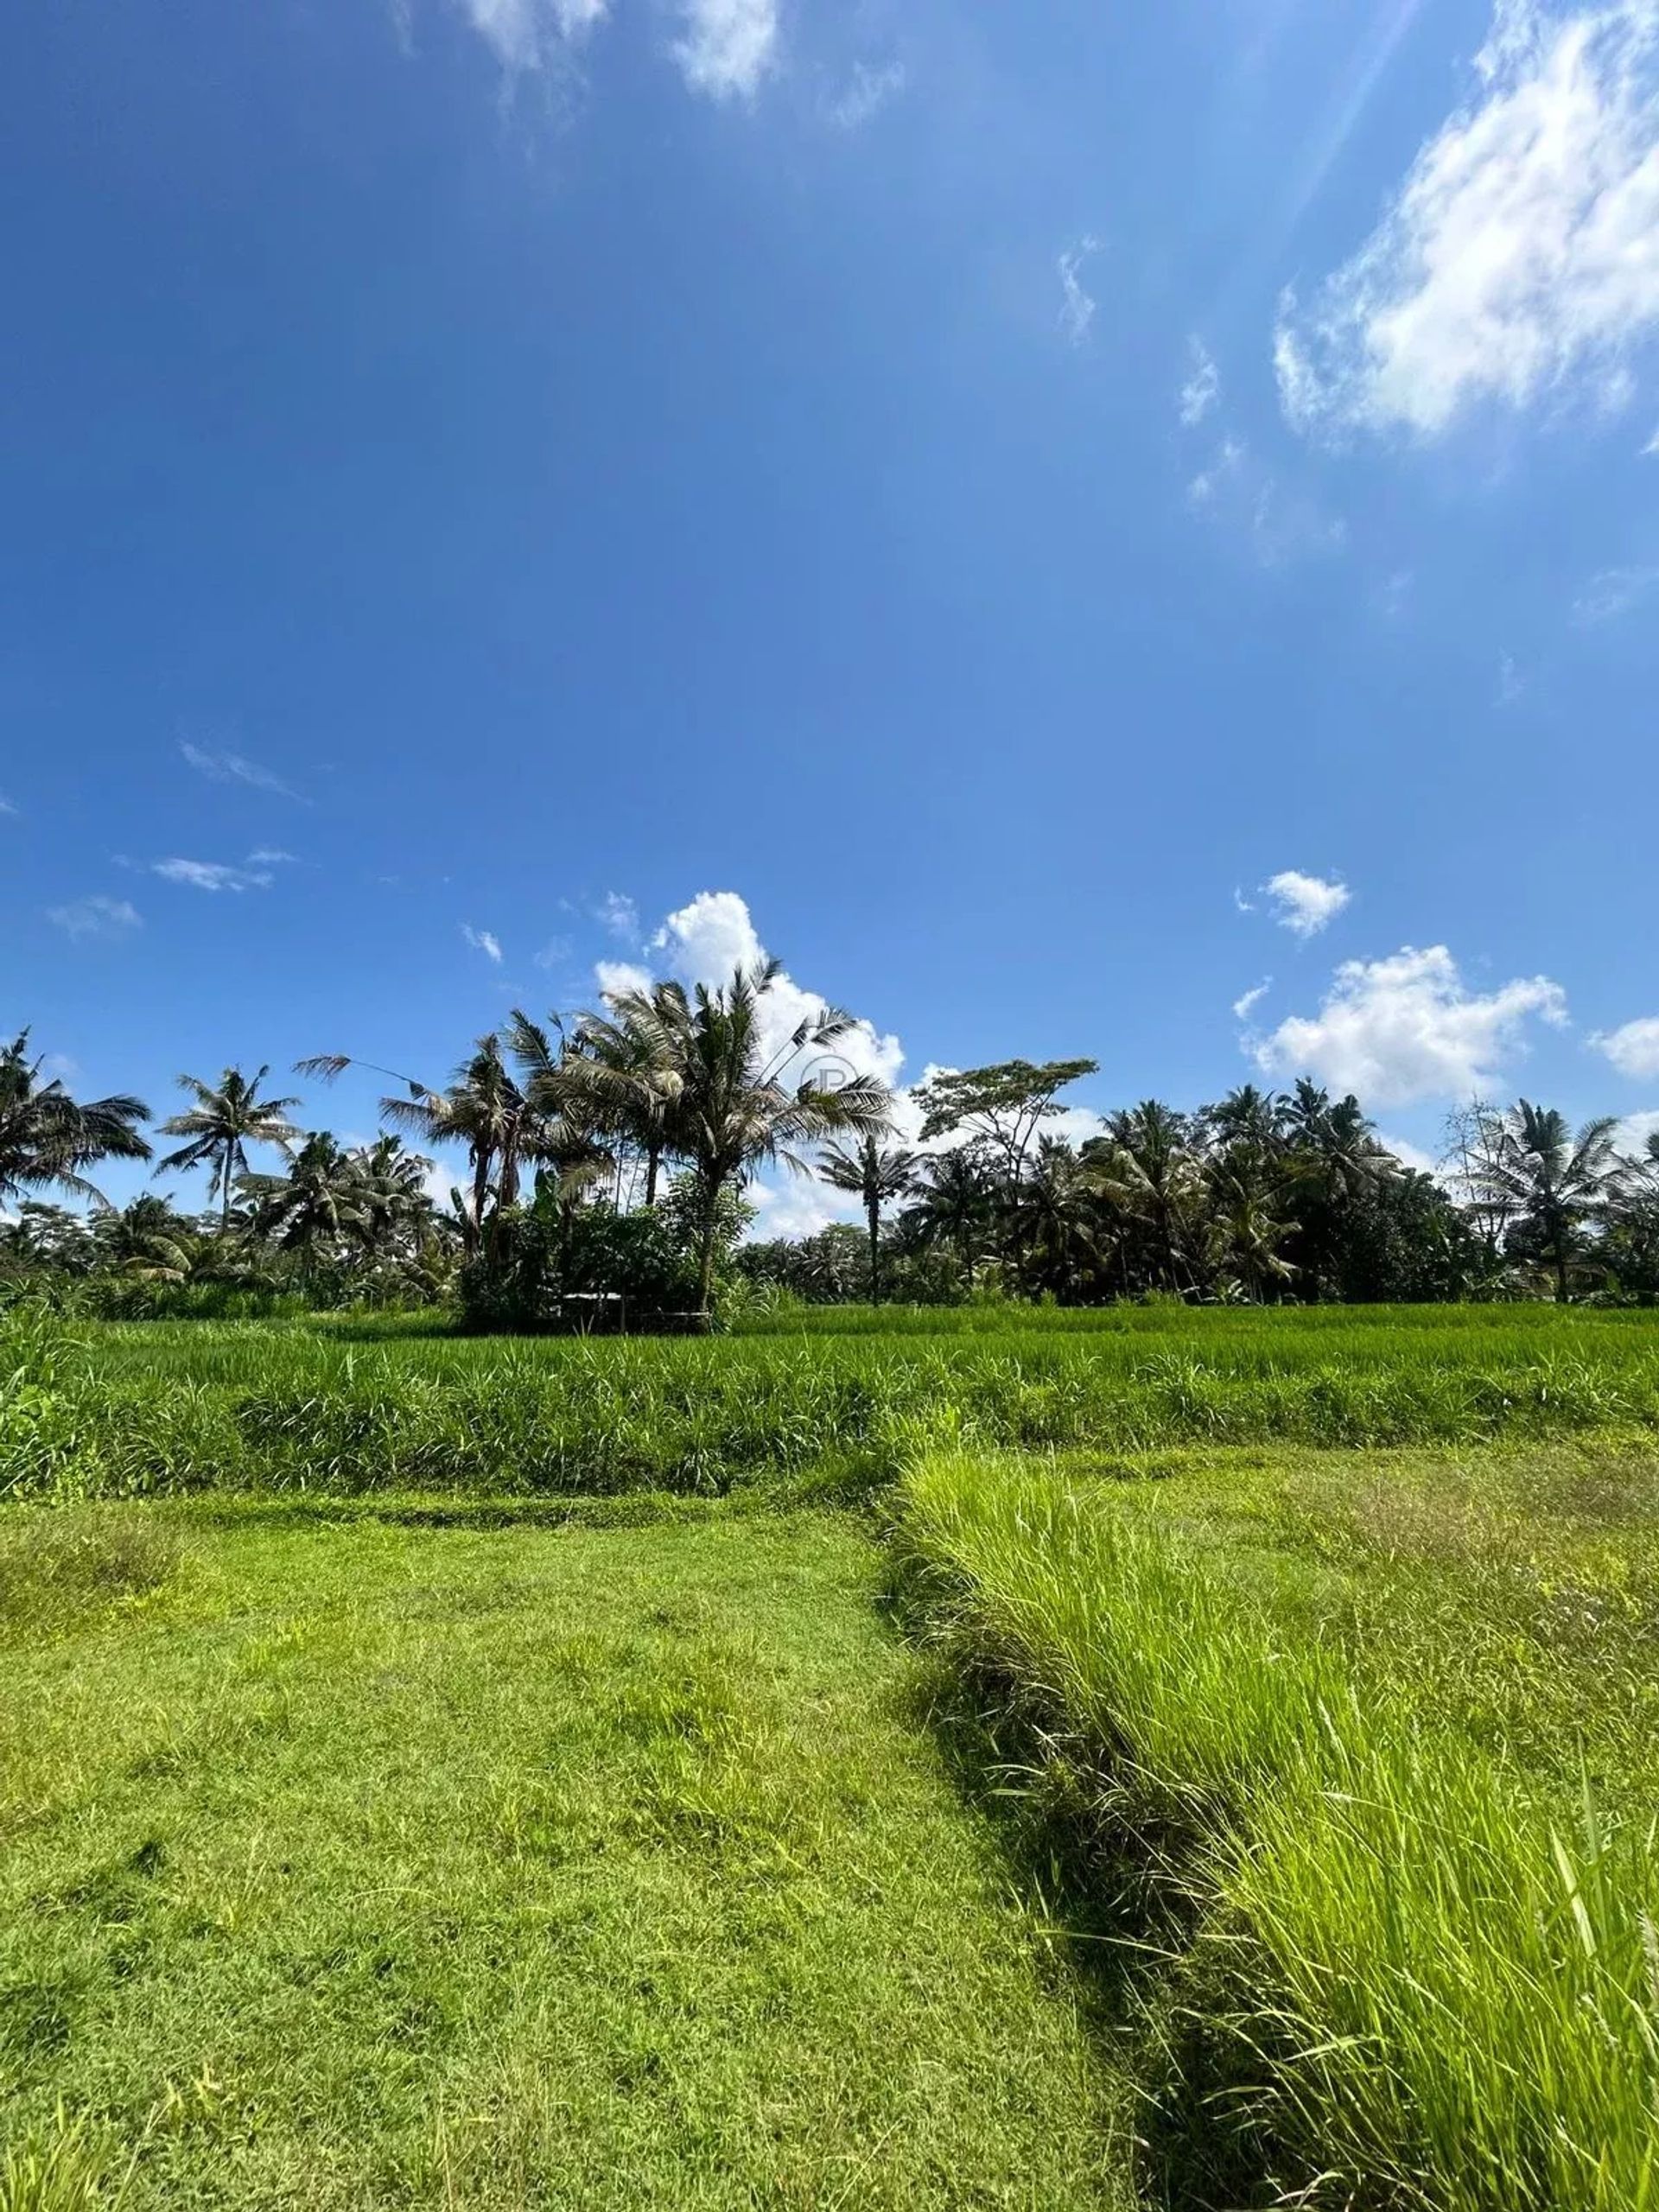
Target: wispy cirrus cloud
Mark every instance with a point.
(727, 48)
(1520, 258)
(6, 806)
(1202, 389)
(1245, 1005)
(868, 89)
(221, 768)
(96, 916)
(1612, 593)
(484, 941)
(619, 915)
(526, 33)
(1078, 305)
(217, 875)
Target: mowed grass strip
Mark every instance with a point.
(354, 1406)
(363, 1865)
(1383, 1729)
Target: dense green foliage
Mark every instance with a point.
(369, 1866)
(360, 1405)
(1382, 1738)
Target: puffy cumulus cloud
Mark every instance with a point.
(484, 941)
(1306, 904)
(1633, 1049)
(714, 934)
(1632, 1133)
(1522, 251)
(726, 46)
(1407, 1027)
(1410, 1155)
(703, 942)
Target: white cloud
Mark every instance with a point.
(615, 977)
(96, 917)
(866, 90)
(1651, 447)
(1306, 904)
(728, 45)
(484, 941)
(713, 934)
(214, 875)
(1632, 1133)
(1613, 593)
(1203, 386)
(236, 768)
(1633, 1049)
(525, 34)
(1522, 250)
(1281, 521)
(619, 915)
(1392, 595)
(6, 806)
(1407, 1027)
(1410, 1155)
(1077, 306)
(555, 953)
(799, 1205)
(1245, 1006)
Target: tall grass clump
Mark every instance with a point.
(1440, 1992)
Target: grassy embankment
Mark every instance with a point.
(371, 1866)
(1365, 1746)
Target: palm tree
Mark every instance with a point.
(1553, 1182)
(47, 1138)
(224, 1120)
(484, 1109)
(145, 1238)
(1061, 1228)
(733, 1110)
(318, 1206)
(558, 1133)
(956, 1206)
(875, 1172)
(633, 1087)
(1150, 1172)
(392, 1205)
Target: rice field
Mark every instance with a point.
(1203, 1761)
(156, 1407)
(1376, 1738)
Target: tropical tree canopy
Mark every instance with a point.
(49, 1139)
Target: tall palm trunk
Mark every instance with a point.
(872, 1213)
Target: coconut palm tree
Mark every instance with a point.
(1150, 1172)
(49, 1139)
(145, 1238)
(734, 1111)
(633, 1087)
(876, 1173)
(484, 1109)
(227, 1117)
(1555, 1183)
(956, 1207)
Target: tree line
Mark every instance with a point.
(606, 1157)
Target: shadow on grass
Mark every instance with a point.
(1124, 1934)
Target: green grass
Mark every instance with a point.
(354, 1865)
(343, 1405)
(1383, 1730)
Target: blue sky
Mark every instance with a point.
(966, 496)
